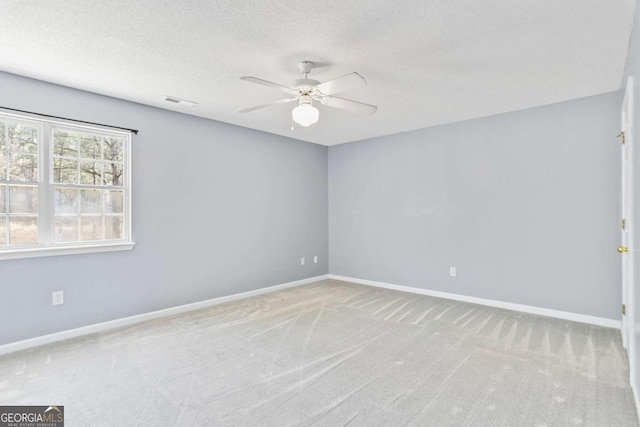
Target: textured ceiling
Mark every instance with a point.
(426, 62)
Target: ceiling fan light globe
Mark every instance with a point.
(305, 114)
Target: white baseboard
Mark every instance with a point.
(575, 317)
(126, 321)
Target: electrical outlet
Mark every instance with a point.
(315, 259)
(452, 271)
(57, 298)
(301, 261)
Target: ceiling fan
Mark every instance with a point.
(307, 90)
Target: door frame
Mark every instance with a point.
(626, 214)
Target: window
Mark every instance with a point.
(64, 188)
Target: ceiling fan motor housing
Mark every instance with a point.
(305, 86)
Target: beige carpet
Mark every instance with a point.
(333, 354)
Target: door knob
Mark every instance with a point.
(623, 249)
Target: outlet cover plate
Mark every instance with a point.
(57, 298)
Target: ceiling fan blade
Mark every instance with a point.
(286, 89)
(346, 82)
(257, 107)
(349, 105)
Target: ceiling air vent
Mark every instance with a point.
(179, 101)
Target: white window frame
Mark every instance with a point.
(47, 246)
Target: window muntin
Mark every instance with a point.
(62, 185)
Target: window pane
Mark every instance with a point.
(2, 131)
(23, 138)
(23, 167)
(113, 174)
(66, 200)
(114, 201)
(3, 165)
(113, 149)
(3, 230)
(90, 173)
(66, 228)
(91, 201)
(114, 227)
(23, 199)
(90, 147)
(3, 204)
(65, 144)
(91, 228)
(23, 230)
(65, 171)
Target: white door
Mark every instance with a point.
(626, 244)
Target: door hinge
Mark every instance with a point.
(624, 224)
(624, 310)
(621, 136)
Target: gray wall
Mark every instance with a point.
(217, 210)
(524, 204)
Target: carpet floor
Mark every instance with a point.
(333, 354)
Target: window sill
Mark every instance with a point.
(64, 250)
